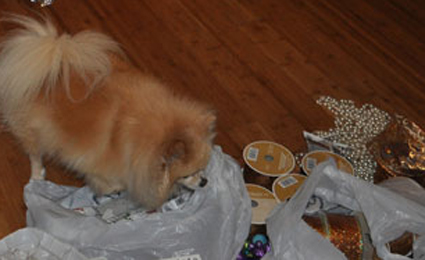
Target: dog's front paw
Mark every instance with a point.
(39, 174)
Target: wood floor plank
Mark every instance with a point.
(412, 8)
(306, 33)
(406, 21)
(397, 81)
(270, 76)
(387, 31)
(339, 27)
(14, 172)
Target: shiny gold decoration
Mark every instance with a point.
(400, 149)
(351, 235)
(344, 232)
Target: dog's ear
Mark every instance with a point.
(175, 150)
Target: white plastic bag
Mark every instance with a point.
(34, 244)
(388, 215)
(405, 187)
(212, 224)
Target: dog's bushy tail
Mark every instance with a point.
(35, 58)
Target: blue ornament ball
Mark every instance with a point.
(259, 237)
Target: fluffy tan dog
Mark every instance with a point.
(74, 98)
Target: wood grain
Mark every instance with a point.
(260, 64)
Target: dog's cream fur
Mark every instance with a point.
(75, 98)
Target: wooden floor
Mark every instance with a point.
(261, 63)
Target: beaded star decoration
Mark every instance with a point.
(355, 127)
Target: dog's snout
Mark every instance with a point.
(203, 182)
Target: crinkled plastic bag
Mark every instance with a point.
(34, 244)
(388, 215)
(212, 223)
(406, 187)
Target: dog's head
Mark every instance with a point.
(179, 161)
